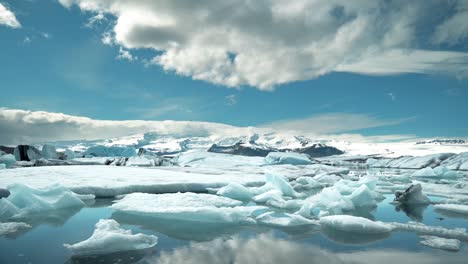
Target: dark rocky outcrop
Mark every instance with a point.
(239, 149)
(318, 151)
(27, 153)
(314, 151)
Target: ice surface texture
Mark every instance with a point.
(354, 224)
(454, 208)
(25, 200)
(441, 243)
(190, 207)
(108, 237)
(112, 181)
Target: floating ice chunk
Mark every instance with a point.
(275, 195)
(274, 158)
(354, 224)
(441, 243)
(216, 160)
(108, 237)
(69, 154)
(363, 197)
(8, 160)
(457, 162)
(284, 219)
(280, 183)
(49, 152)
(438, 173)
(188, 207)
(2, 166)
(112, 151)
(7, 209)
(235, 191)
(412, 195)
(454, 208)
(29, 200)
(422, 229)
(409, 162)
(328, 179)
(12, 227)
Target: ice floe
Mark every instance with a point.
(440, 172)
(111, 151)
(12, 227)
(412, 195)
(25, 200)
(441, 243)
(354, 224)
(191, 207)
(453, 208)
(109, 237)
(112, 181)
(284, 220)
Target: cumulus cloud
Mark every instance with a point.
(21, 126)
(26, 127)
(267, 43)
(331, 123)
(8, 18)
(125, 55)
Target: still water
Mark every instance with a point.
(180, 242)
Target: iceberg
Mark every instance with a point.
(275, 158)
(108, 237)
(12, 227)
(191, 207)
(409, 162)
(457, 162)
(363, 197)
(49, 152)
(69, 154)
(8, 160)
(281, 184)
(441, 243)
(354, 224)
(25, 200)
(112, 151)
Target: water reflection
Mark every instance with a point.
(125, 257)
(266, 249)
(183, 230)
(413, 211)
(352, 238)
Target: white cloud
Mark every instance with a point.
(455, 29)
(392, 96)
(26, 127)
(332, 123)
(21, 126)
(8, 18)
(266, 43)
(231, 99)
(125, 55)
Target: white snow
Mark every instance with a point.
(354, 224)
(441, 243)
(193, 207)
(108, 237)
(454, 208)
(274, 158)
(12, 227)
(112, 181)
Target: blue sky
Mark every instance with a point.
(56, 61)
